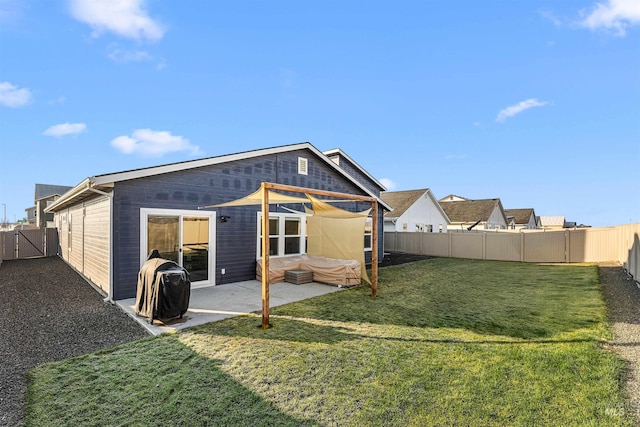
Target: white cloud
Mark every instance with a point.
(65, 129)
(518, 108)
(390, 185)
(12, 96)
(153, 143)
(122, 56)
(58, 101)
(613, 15)
(126, 18)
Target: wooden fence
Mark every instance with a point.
(28, 243)
(620, 244)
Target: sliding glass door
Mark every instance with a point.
(185, 237)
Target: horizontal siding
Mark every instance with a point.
(97, 242)
(74, 220)
(190, 189)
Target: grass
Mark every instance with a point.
(446, 342)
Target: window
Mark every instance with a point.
(367, 235)
(429, 228)
(287, 234)
(405, 226)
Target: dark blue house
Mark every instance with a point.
(108, 223)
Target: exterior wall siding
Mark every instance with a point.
(84, 241)
(355, 172)
(424, 212)
(190, 189)
(97, 242)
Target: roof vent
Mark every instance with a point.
(303, 166)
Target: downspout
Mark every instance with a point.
(109, 297)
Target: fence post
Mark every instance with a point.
(484, 245)
(521, 246)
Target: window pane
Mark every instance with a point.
(292, 227)
(367, 241)
(195, 245)
(162, 234)
(291, 245)
(273, 246)
(274, 228)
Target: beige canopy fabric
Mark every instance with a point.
(337, 233)
(332, 232)
(256, 199)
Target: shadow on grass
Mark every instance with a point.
(288, 329)
(145, 383)
(498, 298)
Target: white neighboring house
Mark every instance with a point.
(554, 222)
(521, 218)
(414, 211)
(467, 214)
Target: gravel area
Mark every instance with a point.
(622, 296)
(48, 313)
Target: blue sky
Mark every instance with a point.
(533, 102)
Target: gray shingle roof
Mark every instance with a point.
(470, 210)
(45, 190)
(400, 201)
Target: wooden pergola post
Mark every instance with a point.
(265, 187)
(265, 256)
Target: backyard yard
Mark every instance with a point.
(446, 342)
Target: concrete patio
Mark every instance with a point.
(213, 303)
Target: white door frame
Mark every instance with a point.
(181, 213)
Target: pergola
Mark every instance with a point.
(265, 201)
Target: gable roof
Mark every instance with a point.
(336, 152)
(99, 183)
(452, 198)
(401, 201)
(471, 210)
(520, 216)
(43, 191)
(552, 221)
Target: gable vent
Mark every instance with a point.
(303, 166)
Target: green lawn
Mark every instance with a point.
(446, 342)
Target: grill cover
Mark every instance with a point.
(163, 290)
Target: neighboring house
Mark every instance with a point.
(552, 222)
(108, 223)
(32, 217)
(475, 214)
(44, 195)
(453, 198)
(414, 210)
(521, 218)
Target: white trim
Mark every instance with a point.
(108, 180)
(281, 236)
(181, 213)
(346, 156)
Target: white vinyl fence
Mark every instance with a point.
(619, 244)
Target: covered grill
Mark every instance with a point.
(163, 290)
